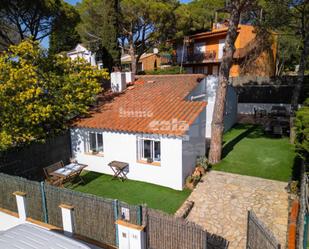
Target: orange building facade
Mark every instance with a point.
(147, 62)
(202, 52)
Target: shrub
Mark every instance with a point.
(168, 70)
(202, 161)
(302, 130)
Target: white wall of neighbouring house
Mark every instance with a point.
(82, 52)
(194, 145)
(123, 147)
(248, 108)
(209, 86)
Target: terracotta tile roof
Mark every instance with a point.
(155, 105)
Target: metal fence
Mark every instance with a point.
(258, 235)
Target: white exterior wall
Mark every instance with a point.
(248, 108)
(123, 147)
(82, 52)
(194, 146)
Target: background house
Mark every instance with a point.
(158, 126)
(147, 62)
(202, 52)
(81, 51)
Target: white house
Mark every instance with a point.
(157, 126)
(80, 51)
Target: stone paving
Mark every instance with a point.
(222, 200)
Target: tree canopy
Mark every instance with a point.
(144, 24)
(99, 29)
(290, 20)
(64, 36)
(25, 19)
(197, 16)
(39, 95)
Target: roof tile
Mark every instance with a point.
(153, 105)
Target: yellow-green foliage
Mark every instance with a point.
(39, 95)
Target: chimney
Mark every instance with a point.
(129, 77)
(118, 81)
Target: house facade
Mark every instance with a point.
(81, 51)
(147, 62)
(202, 52)
(158, 126)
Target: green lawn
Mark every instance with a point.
(133, 192)
(248, 151)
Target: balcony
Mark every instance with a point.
(202, 57)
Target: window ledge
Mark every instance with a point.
(153, 163)
(94, 154)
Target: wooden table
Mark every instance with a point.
(119, 169)
(69, 172)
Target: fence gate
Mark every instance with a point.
(258, 235)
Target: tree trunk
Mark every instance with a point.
(217, 126)
(301, 74)
(133, 59)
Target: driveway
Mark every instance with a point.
(222, 201)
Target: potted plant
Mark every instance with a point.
(190, 182)
(202, 164)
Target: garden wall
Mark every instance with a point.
(29, 161)
(95, 217)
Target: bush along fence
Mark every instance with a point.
(108, 222)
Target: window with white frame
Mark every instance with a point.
(149, 150)
(95, 142)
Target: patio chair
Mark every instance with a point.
(53, 179)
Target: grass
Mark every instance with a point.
(133, 192)
(247, 151)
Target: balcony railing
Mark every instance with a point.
(209, 56)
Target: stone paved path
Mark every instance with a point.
(222, 201)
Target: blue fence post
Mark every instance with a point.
(139, 215)
(116, 212)
(44, 206)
